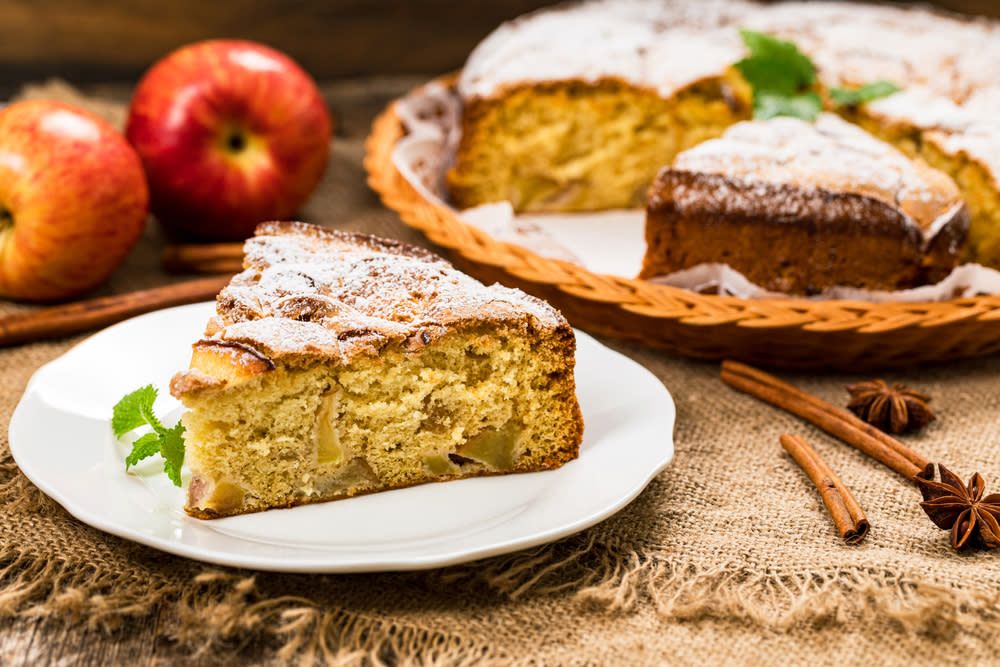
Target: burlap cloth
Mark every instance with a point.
(727, 557)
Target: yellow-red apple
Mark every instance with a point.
(231, 133)
(73, 201)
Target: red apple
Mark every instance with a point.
(73, 201)
(231, 133)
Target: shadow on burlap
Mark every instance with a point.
(728, 556)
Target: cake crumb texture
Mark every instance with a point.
(375, 366)
(577, 107)
(798, 207)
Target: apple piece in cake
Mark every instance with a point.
(340, 364)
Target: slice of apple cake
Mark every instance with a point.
(340, 364)
(799, 207)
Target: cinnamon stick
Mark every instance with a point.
(842, 413)
(847, 514)
(79, 316)
(203, 258)
(836, 421)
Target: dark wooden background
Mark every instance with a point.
(105, 40)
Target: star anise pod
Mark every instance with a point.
(961, 508)
(897, 408)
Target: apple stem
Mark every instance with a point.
(6, 219)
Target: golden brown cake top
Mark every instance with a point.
(829, 155)
(667, 44)
(311, 293)
(970, 129)
(639, 41)
(946, 66)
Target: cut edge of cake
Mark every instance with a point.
(340, 364)
(798, 207)
(601, 53)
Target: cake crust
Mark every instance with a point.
(798, 207)
(293, 306)
(946, 112)
(621, 134)
(340, 364)
(829, 156)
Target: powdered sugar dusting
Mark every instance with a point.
(628, 39)
(852, 43)
(310, 292)
(595, 241)
(946, 66)
(829, 155)
(968, 129)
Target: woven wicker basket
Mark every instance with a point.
(793, 333)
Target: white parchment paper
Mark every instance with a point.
(609, 242)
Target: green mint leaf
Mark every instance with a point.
(764, 75)
(806, 106)
(172, 451)
(852, 97)
(132, 411)
(150, 417)
(780, 76)
(143, 448)
(775, 65)
(135, 410)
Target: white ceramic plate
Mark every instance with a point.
(61, 438)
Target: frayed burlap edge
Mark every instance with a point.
(614, 579)
(212, 613)
(218, 612)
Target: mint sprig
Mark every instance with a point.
(775, 65)
(143, 448)
(131, 412)
(781, 77)
(135, 410)
(805, 106)
(852, 97)
(172, 451)
(784, 82)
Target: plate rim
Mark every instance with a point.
(446, 557)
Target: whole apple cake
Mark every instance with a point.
(578, 107)
(782, 201)
(340, 364)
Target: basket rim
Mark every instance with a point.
(442, 226)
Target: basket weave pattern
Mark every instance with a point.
(792, 333)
